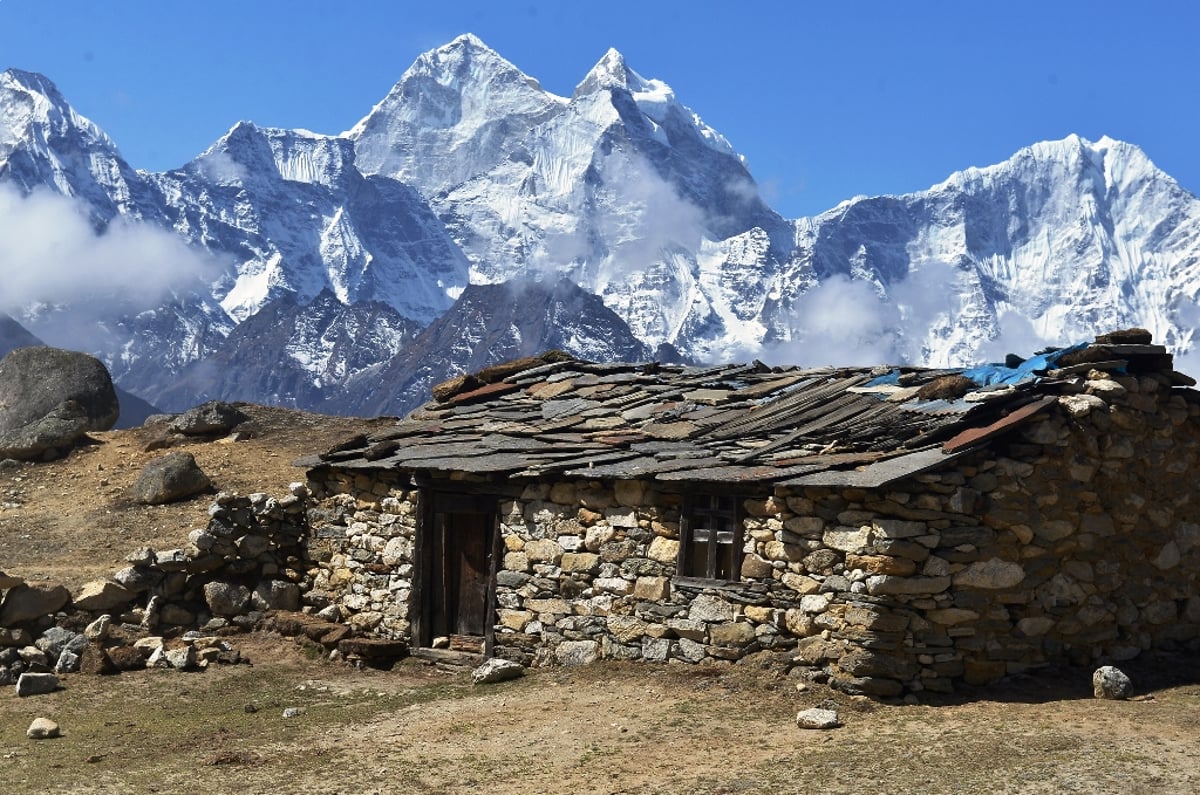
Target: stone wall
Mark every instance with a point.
(1073, 538)
(360, 550)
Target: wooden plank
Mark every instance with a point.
(486, 392)
(732, 474)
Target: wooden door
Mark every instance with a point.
(457, 562)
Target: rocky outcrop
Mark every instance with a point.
(207, 419)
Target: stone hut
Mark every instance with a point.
(886, 530)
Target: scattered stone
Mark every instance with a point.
(36, 684)
(817, 718)
(577, 652)
(181, 659)
(172, 477)
(226, 599)
(126, 658)
(213, 417)
(1111, 682)
(293, 712)
(250, 709)
(148, 645)
(276, 595)
(497, 669)
(95, 660)
(43, 729)
(68, 662)
(55, 639)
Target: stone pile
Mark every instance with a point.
(102, 647)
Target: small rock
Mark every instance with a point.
(24, 603)
(99, 595)
(183, 658)
(98, 629)
(497, 669)
(43, 729)
(292, 712)
(208, 418)
(1111, 682)
(68, 662)
(95, 660)
(818, 719)
(31, 684)
(226, 599)
(250, 709)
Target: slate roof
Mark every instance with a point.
(556, 416)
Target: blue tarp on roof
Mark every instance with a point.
(1031, 368)
(992, 374)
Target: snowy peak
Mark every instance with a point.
(455, 113)
(291, 155)
(32, 111)
(611, 71)
(44, 143)
(1114, 162)
(653, 98)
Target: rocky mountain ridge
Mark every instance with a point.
(322, 258)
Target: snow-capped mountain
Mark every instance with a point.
(44, 143)
(620, 188)
(291, 267)
(1064, 238)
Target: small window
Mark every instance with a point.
(710, 538)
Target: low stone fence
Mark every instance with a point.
(250, 559)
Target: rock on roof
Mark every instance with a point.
(558, 416)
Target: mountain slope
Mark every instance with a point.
(489, 324)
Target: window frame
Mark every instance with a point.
(707, 504)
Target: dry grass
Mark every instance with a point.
(609, 728)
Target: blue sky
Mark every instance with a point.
(826, 100)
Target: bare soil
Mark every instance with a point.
(605, 728)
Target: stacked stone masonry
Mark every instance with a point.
(1074, 537)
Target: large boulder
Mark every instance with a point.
(36, 381)
(28, 602)
(174, 476)
(46, 438)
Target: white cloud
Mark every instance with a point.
(1017, 335)
(841, 321)
(221, 168)
(52, 254)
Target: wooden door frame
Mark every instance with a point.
(431, 501)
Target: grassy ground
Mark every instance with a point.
(607, 728)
